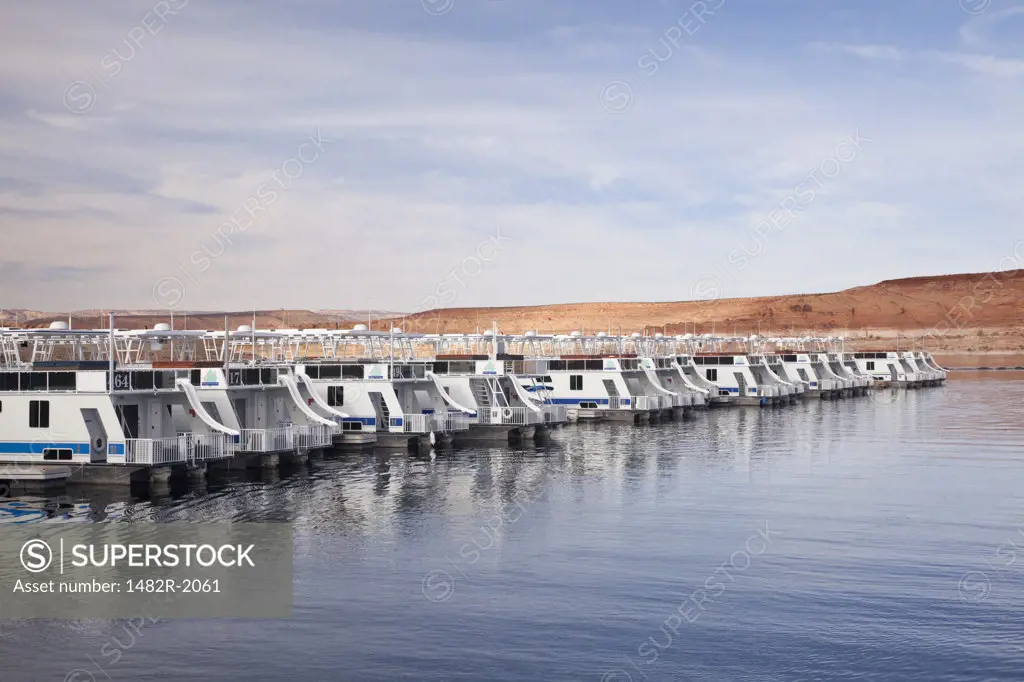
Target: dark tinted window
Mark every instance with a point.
(313, 371)
(595, 364)
(330, 371)
(62, 381)
(352, 371)
(576, 382)
(39, 414)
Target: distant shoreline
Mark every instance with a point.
(985, 369)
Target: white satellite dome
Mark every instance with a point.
(687, 336)
(708, 336)
(360, 328)
(659, 335)
(530, 333)
(574, 333)
(488, 332)
(396, 330)
(58, 324)
(602, 335)
(242, 329)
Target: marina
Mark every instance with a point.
(129, 406)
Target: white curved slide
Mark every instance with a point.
(186, 387)
(320, 402)
(300, 402)
(447, 398)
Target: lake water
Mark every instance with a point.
(856, 539)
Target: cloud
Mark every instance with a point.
(443, 128)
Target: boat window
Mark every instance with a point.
(576, 382)
(576, 364)
(712, 374)
(789, 358)
(194, 377)
(352, 371)
(595, 365)
(39, 414)
(140, 380)
(330, 371)
(250, 377)
(9, 381)
(440, 368)
(556, 366)
(870, 365)
(335, 396)
(312, 371)
(268, 376)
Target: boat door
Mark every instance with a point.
(261, 411)
(239, 404)
(97, 434)
(128, 415)
(156, 419)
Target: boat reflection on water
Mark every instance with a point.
(39, 509)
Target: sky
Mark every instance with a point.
(408, 154)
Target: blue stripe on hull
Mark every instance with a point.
(37, 447)
(365, 421)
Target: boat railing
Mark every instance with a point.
(308, 436)
(417, 423)
(277, 439)
(645, 402)
(184, 448)
(555, 414)
(451, 421)
(511, 416)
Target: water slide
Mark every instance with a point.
(447, 398)
(656, 383)
(293, 390)
(320, 402)
(524, 396)
(186, 387)
(688, 382)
